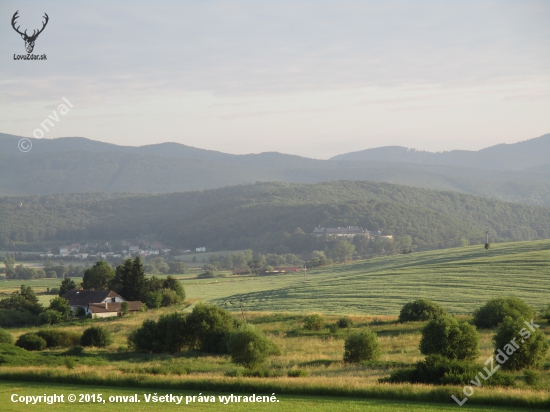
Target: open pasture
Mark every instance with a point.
(460, 279)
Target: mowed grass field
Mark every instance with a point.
(286, 402)
(371, 292)
(460, 279)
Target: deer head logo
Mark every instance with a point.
(29, 40)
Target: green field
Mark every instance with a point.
(371, 292)
(286, 402)
(460, 279)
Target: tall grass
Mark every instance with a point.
(283, 385)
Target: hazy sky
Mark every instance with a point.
(314, 78)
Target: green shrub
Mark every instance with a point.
(532, 345)
(545, 314)
(96, 336)
(177, 267)
(206, 275)
(69, 362)
(6, 337)
(153, 300)
(314, 322)
(169, 297)
(297, 373)
(438, 370)
(124, 308)
(344, 322)
(145, 338)
(50, 317)
(206, 328)
(447, 337)
(61, 305)
(76, 350)
(31, 341)
(59, 338)
(494, 311)
(211, 327)
(531, 377)
(169, 334)
(249, 347)
(10, 318)
(420, 310)
(261, 372)
(172, 283)
(361, 346)
(66, 286)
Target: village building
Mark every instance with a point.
(348, 231)
(99, 303)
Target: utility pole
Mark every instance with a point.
(242, 311)
(487, 233)
(305, 271)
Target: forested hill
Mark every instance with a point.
(516, 156)
(265, 216)
(78, 165)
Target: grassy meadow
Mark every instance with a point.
(460, 279)
(369, 292)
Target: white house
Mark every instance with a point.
(99, 303)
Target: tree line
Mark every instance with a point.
(128, 280)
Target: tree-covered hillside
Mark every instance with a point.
(266, 216)
(78, 165)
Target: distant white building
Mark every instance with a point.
(201, 249)
(348, 231)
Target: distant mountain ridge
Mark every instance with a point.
(516, 156)
(80, 165)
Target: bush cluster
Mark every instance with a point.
(420, 310)
(6, 337)
(439, 370)
(532, 349)
(314, 322)
(493, 312)
(447, 337)
(361, 346)
(344, 322)
(59, 338)
(208, 329)
(31, 341)
(249, 347)
(211, 327)
(96, 336)
(168, 334)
